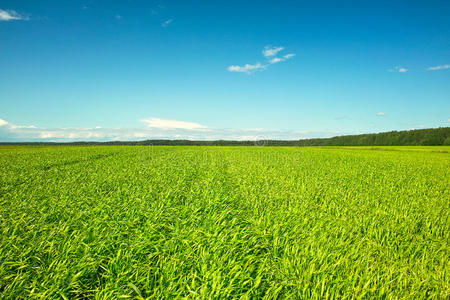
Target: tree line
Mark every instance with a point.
(420, 137)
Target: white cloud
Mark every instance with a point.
(247, 68)
(10, 15)
(441, 67)
(271, 51)
(118, 17)
(139, 134)
(166, 23)
(19, 127)
(48, 135)
(280, 59)
(381, 114)
(172, 124)
(270, 54)
(399, 69)
(3, 122)
(275, 60)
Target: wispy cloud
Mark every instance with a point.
(270, 53)
(399, 69)
(118, 17)
(441, 67)
(247, 68)
(11, 15)
(381, 114)
(172, 124)
(280, 59)
(166, 23)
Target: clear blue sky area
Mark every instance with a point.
(221, 69)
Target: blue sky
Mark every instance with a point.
(131, 70)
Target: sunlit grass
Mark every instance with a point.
(223, 222)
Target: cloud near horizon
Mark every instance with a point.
(172, 124)
(156, 129)
(269, 53)
(11, 15)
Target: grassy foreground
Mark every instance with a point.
(223, 222)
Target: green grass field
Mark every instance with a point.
(108, 222)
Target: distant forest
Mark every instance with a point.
(420, 137)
